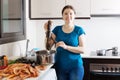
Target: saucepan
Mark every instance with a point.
(45, 56)
(101, 52)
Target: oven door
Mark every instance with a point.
(104, 75)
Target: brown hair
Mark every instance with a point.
(68, 7)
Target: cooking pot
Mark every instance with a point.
(115, 51)
(45, 56)
(101, 52)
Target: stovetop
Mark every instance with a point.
(93, 54)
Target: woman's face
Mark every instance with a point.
(68, 15)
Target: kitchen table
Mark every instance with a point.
(47, 74)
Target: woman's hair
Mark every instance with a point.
(68, 7)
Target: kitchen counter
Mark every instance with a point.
(94, 55)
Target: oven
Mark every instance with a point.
(104, 71)
(102, 68)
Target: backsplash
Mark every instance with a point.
(101, 33)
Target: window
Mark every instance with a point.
(12, 21)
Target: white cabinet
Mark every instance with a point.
(82, 7)
(46, 8)
(105, 7)
(41, 9)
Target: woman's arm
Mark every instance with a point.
(50, 37)
(78, 49)
(50, 41)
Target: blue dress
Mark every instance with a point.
(65, 59)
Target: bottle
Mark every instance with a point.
(5, 59)
(0, 61)
(3, 62)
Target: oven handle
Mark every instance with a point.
(105, 73)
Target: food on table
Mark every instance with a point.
(18, 71)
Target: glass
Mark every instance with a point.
(11, 16)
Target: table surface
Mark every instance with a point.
(41, 72)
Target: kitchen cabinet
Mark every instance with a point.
(12, 22)
(82, 7)
(105, 7)
(51, 9)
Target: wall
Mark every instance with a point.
(101, 33)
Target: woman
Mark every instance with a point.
(69, 40)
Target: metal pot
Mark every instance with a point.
(101, 52)
(115, 51)
(45, 57)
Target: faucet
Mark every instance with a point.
(27, 47)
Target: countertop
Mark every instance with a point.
(94, 55)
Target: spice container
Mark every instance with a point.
(3, 62)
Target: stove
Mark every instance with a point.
(105, 68)
(104, 71)
(109, 53)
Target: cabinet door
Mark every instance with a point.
(11, 21)
(82, 7)
(41, 9)
(105, 7)
(46, 8)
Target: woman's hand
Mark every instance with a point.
(61, 44)
(46, 25)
